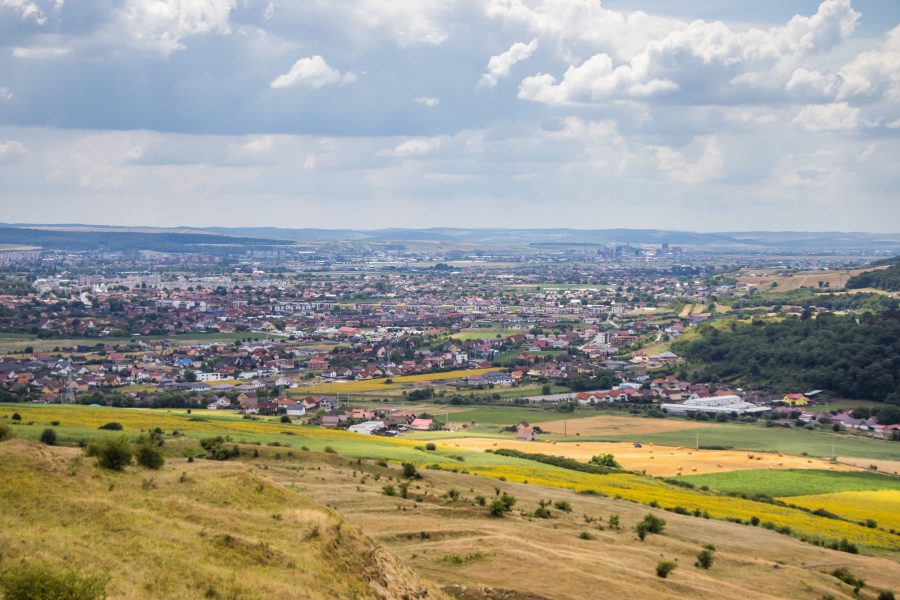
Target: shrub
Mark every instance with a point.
(404, 489)
(849, 578)
(502, 504)
(664, 567)
(16, 417)
(48, 436)
(329, 450)
(149, 457)
(585, 535)
(430, 447)
(563, 505)
(34, 582)
(410, 471)
(885, 595)
(452, 495)
(113, 454)
(285, 419)
(480, 500)
(542, 512)
(216, 449)
(606, 460)
(389, 490)
(705, 558)
(112, 426)
(5, 432)
(650, 524)
(614, 522)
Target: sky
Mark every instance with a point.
(691, 115)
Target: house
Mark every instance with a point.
(795, 400)
(295, 410)
(367, 427)
(524, 431)
(422, 424)
(219, 403)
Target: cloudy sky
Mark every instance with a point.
(726, 115)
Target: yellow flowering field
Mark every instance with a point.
(646, 490)
(881, 505)
(373, 385)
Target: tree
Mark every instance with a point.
(149, 456)
(113, 454)
(48, 436)
(705, 558)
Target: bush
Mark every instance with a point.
(542, 512)
(586, 535)
(48, 436)
(410, 471)
(16, 417)
(33, 582)
(705, 558)
(216, 449)
(430, 447)
(114, 454)
(563, 505)
(885, 595)
(112, 426)
(849, 578)
(149, 457)
(389, 490)
(5, 432)
(650, 524)
(664, 567)
(606, 460)
(285, 419)
(502, 504)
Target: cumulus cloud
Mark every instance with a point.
(499, 66)
(312, 72)
(28, 10)
(427, 101)
(5, 94)
(677, 168)
(12, 151)
(839, 116)
(702, 60)
(163, 24)
(416, 147)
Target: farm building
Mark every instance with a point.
(367, 427)
(714, 404)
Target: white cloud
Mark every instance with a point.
(427, 101)
(416, 147)
(312, 72)
(499, 66)
(12, 151)
(839, 116)
(702, 60)
(269, 12)
(40, 52)
(677, 168)
(5, 94)
(163, 24)
(28, 9)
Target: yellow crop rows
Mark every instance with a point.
(883, 506)
(373, 385)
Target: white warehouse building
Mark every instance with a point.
(714, 404)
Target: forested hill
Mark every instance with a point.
(854, 357)
(126, 240)
(881, 279)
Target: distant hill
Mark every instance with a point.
(110, 240)
(493, 236)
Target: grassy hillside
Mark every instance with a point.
(195, 530)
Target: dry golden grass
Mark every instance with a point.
(835, 279)
(612, 425)
(548, 558)
(661, 461)
(206, 529)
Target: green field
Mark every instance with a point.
(793, 482)
(774, 439)
(16, 342)
(483, 333)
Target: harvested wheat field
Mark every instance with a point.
(612, 425)
(659, 461)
